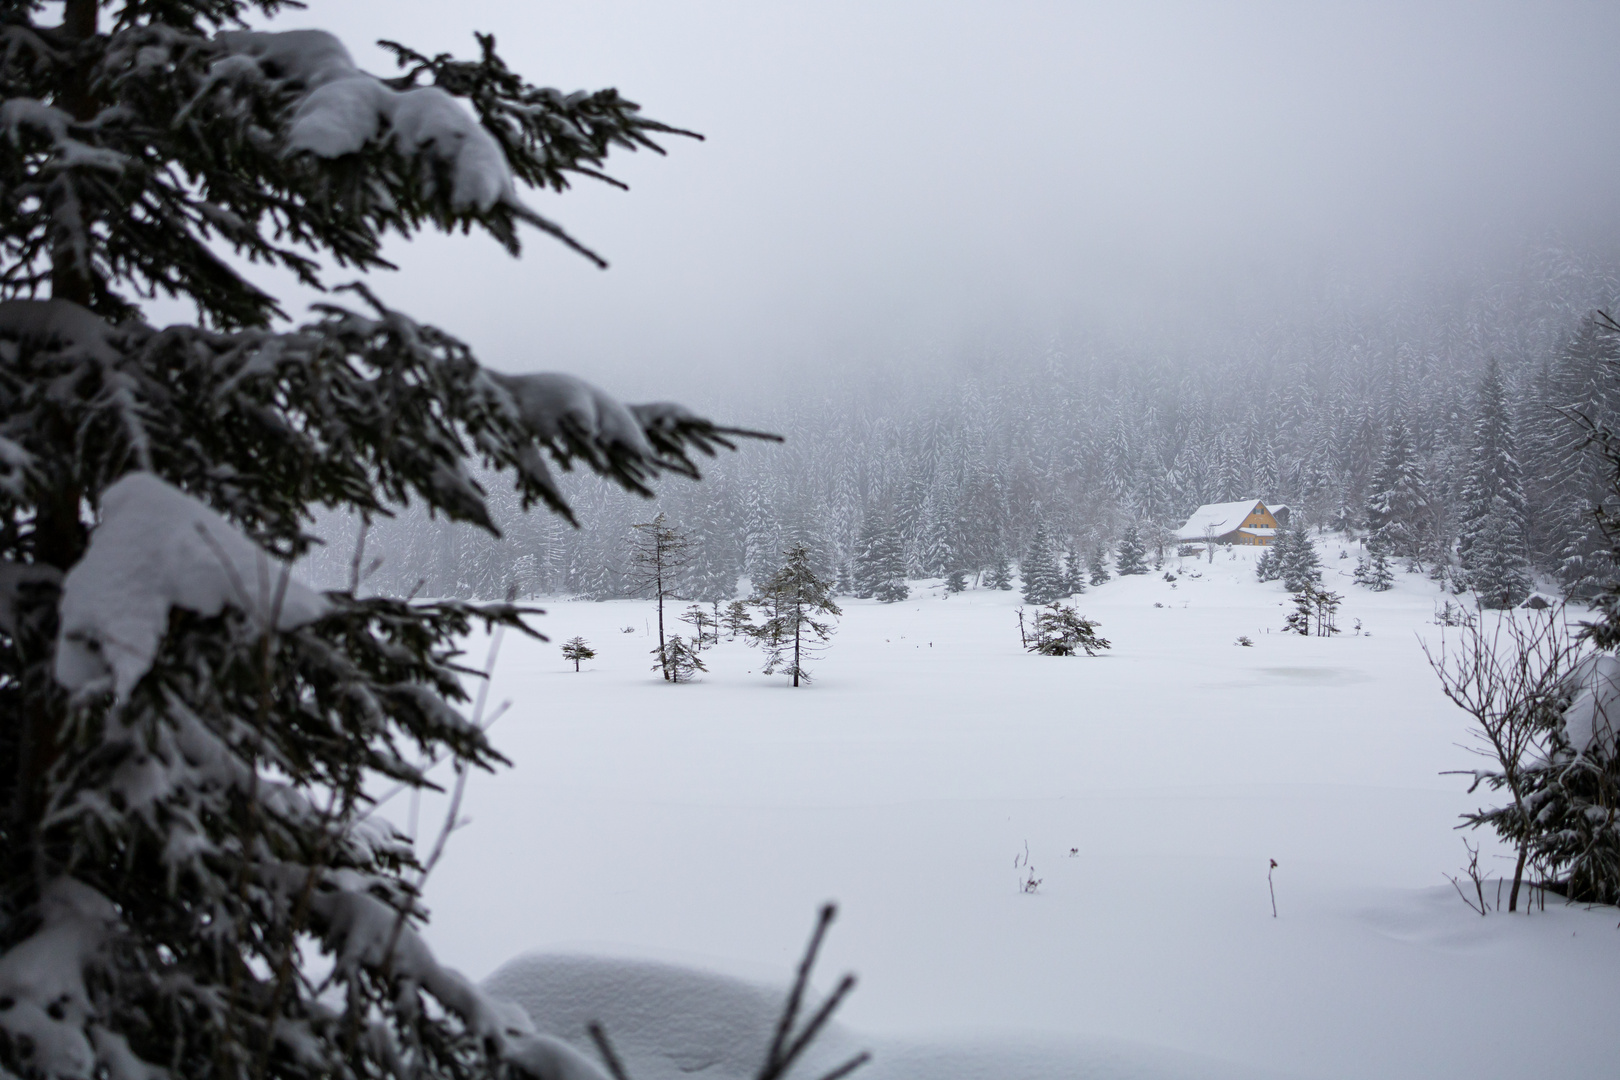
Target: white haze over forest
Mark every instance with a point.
(915, 185)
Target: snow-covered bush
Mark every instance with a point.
(1060, 630)
(193, 735)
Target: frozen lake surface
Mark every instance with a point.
(645, 825)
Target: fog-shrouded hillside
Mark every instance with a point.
(966, 454)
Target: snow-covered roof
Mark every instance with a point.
(1216, 519)
(1257, 530)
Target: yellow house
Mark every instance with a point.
(1249, 522)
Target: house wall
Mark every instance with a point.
(1260, 518)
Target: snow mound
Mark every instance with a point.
(156, 549)
(674, 1023)
(666, 1022)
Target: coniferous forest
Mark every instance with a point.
(1447, 431)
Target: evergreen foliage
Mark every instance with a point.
(710, 574)
(795, 609)
(193, 737)
(737, 619)
(1098, 437)
(1132, 555)
(1399, 520)
(657, 555)
(1373, 572)
(577, 649)
(1298, 564)
(1060, 630)
(704, 624)
(1074, 573)
(880, 563)
(1268, 567)
(1498, 573)
(1492, 515)
(1568, 823)
(1097, 565)
(678, 661)
(1000, 575)
(1043, 582)
(1315, 611)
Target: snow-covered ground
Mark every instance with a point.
(701, 825)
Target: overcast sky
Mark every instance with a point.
(884, 178)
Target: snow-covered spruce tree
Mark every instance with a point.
(192, 737)
(794, 607)
(1373, 571)
(1499, 573)
(1268, 567)
(1000, 575)
(1074, 573)
(1495, 481)
(868, 548)
(1097, 565)
(1397, 506)
(1043, 582)
(711, 572)
(1297, 565)
(1060, 630)
(1132, 555)
(577, 649)
(885, 565)
(677, 660)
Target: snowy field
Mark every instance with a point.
(700, 825)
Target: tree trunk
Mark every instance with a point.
(658, 580)
(798, 629)
(69, 280)
(1518, 875)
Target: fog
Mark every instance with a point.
(897, 183)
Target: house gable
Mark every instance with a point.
(1246, 522)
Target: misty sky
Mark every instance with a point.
(885, 178)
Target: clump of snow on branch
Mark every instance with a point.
(1595, 706)
(155, 549)
(344, 108)
(43, 980)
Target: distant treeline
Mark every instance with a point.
(1371, 417)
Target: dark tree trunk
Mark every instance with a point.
(69, 280)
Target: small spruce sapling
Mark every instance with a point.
(1097, 565)
(1266, 567)
(577, 649)
(701, 623)
(1373, 572)
(1001, 574)
(737, 620)
(1060, 630)
(678, 660)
